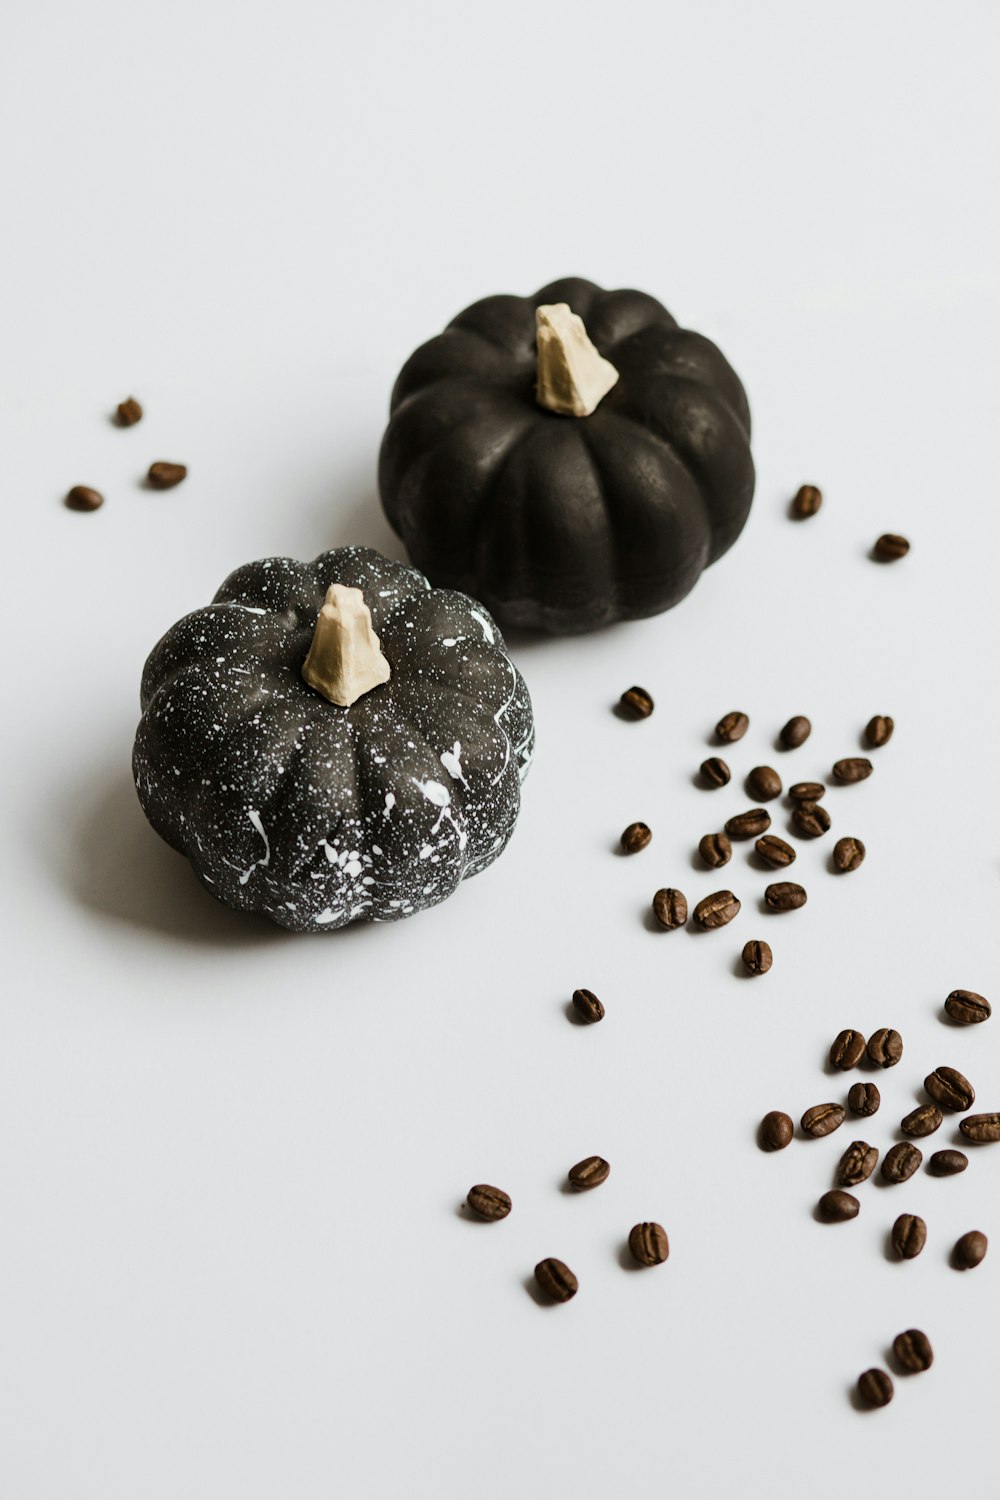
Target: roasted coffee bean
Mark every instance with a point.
(670, 907)
(795, 732)
(806, 791)
(847, 1050)
(784, 895)
(951, 1089)
(587, 1005)
(810, 819)
(947, 1163)
(836, 1207)
(757, 956)
(981, 1128)
(716, 910)
(82, 497)
(715, 849)
(636, 703)
(129, 412)
(822, 1119)
(556, 1280)
(715, 771)
(636, 837)
(589, 1173)
(748, 825)
(875, 1388)
(774, 851)
(648, 1244)
(776, 1131)
(864, 1099)
(885, 1048)
(853, 768)
(913, 1351)
(763, 784)
(848, 854)
(909, 1236)
(878, 730)
(857, 1164)
(969, 1250)
(922, 1121)
(889, 547)
(163, 476)
(806, 501)
(489, 1202)
(967, 1008)
(732, 727)
(901, 1161)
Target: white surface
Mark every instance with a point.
(232, 1259)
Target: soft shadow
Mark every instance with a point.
(627, 1260)
(572, 1014)
(651, 924)
(888, 1253)
(740, 970)
(854, 1397)
(536, 1294)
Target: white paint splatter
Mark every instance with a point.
(254, 817)
(485, 626)
(452, 763)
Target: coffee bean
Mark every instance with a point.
(774, 851)
(967, 1008)
(784, 895)
(163, 476)
(969, 1250)
(901, 1161)
(648, 1244)
(795, 732)
(670, 907)
(715, 771)
(489, 1202)
(922, 1121)
(748, 825)
(807, 791)
(556, 1280)
(875, 1388)
(715, 849)
(853, 768)
(822, 1119)
(864, 1099)
(763, 784)
(848, 854)
(889, 547)
(885, 1048)
(757, 956)
(913, 1351)
(806, 501)
(82, 497)
(981, 1128)
(951, 1089)
(947, 1163)
(847, 1050)
(635, 838)
(636, 703)
(878, 730)
(129, 412)
(589, 1173)
(909, 1236)
(732, 727)
(857, 1164)
(776, 1131)
(716, 910)
(587, 1005)
(810, 819)
(837, 1207)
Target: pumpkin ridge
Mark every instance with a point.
(703, 382)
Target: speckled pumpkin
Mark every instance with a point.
(319, 815)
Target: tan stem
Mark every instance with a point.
(572, 377)
(345, 658)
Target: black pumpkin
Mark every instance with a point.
(320, 815)
(562, 522)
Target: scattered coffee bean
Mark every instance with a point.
(913, 1351)
(967, 1008)
(732, 727)
(715, 849)
(922, 1121)
(129, 412)
(889, 547)
(774, 851)
(776, 1131)
(951, 1089)
(853, 768)
(670, 907)
(636, 703)
(885, 1048)
(878, 730)
(795, 732)
(589, 1173)
(848, 854)
(857, 1163)
(587, 1005)
(981, 1128)
(847, 1050)
(648, 1244)
(875, 1388)
(748, 825)
(836, 1207)
(969, 1250)
(807, 791)
(864, 1099)
(715, 771)
(757, 956)
(163, 476)
(489, 1202)
(901, 1161)
(635, 838)
(909, 1236)
(556, 1280)
(947, 1163)
(763, 784)
(82, 497)
(822, 1119)
(806, 501)
(810, 819)
(716, 910)
(784, 895)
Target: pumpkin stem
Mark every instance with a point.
(345, 659)
(572, 377)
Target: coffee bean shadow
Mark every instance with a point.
(696, 862)
(618, 848)
(950, 1021)
(855, 1398)
(740, 971)
(568, 1190)
(572, 1014)
(534, 1291)
(620, 712)
(651, 924)
(888, 1253)
(627, 1260)
(698, 780)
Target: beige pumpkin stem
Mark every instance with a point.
(345, 658)
(572, 377)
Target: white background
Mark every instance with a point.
(232, 1259)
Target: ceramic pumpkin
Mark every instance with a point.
(333, 741)
(571, 458)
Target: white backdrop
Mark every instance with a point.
(233, 1261)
